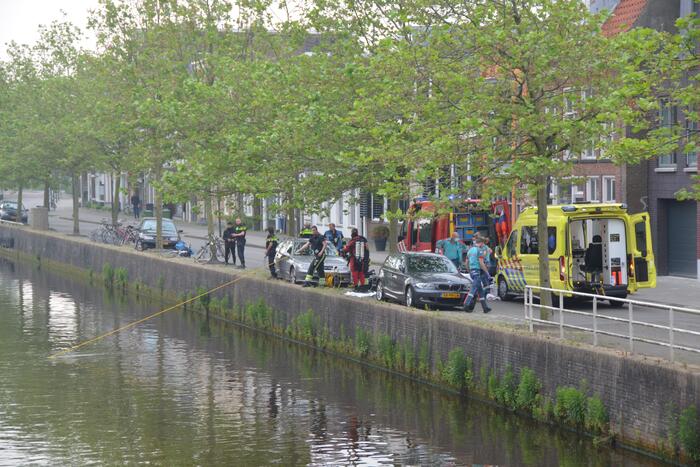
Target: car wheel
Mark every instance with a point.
(380, 291)
(139, 245)
(616, 304)
(292, 275)
(503, 291)
(409, 298)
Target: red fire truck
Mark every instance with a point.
(424, 226)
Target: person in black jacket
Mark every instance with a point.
(229, 245)
(271, 250)
(239, 231)
(317, 244)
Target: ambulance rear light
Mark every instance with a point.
(562, 269)
(630, 266)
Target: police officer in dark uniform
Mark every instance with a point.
(271, 250)
(317, 243)
(229, 246)
(239, 231)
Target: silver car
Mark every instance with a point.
(292, 265)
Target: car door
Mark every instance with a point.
(388, 273)
(642, 252)
(400, 275)
(282, 258)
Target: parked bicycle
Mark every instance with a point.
(204, 253)
(114, 235)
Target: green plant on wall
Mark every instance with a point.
(689, 433)
(527, 394)
(570, 406)
(108, 274)
(121, 278)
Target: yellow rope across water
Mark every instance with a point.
(137, 322)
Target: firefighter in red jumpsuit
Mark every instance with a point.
(357, 253)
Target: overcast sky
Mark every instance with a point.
(20, 19)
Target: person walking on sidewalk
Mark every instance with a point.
(271, 250)
(359, 257)
(229, 245)
(477, 266)
(317, 243)
(239, 231)
(136, 204)
(452, 248)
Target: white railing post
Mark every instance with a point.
(530, 308)
(631, 327)
(595, 321)
(670, 332)
(561, 315)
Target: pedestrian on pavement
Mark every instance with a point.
(358, 260)
(136, 204)
(317, 243)
(488, 260)
(271, 250)
(477, 265)
(306, 232)
(239, 231)
(453, 249)
(334, 237)
(229, 244)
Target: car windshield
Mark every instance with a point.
(10, 204)
(168, 226)
(430, 264)
(330, 249)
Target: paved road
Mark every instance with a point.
(669, 291)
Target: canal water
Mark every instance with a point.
(184, 390)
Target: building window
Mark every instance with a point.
(592, 189)
(589, 152)
(609, 190)
(667, 120)
(578, 193)
(691, 133)
(340, 206)
(377, 207)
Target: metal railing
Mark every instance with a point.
(599, 319)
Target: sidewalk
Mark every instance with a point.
(62, 220)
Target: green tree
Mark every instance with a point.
(535, 84)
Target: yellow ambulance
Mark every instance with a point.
(593, 248)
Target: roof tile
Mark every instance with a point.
(624, 16)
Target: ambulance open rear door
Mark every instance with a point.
(642, 265)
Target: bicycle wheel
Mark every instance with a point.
(220, 257)
(167, 253)
(203, 255)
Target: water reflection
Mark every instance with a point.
(181, 389)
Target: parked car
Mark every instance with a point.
(8, 212)
(418, 279)
(147, 234)
(292, 265)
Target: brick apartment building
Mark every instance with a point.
(651, 185)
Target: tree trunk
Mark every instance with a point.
(208, 212)
(115, 198)
(291, 221)
(543, 246)
(393, 226)
(47, 204)
(158, 212)
(19, 202)
(76, 203)
(239, 205)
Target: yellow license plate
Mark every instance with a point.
(450, 295)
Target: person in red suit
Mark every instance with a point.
(357, 253)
